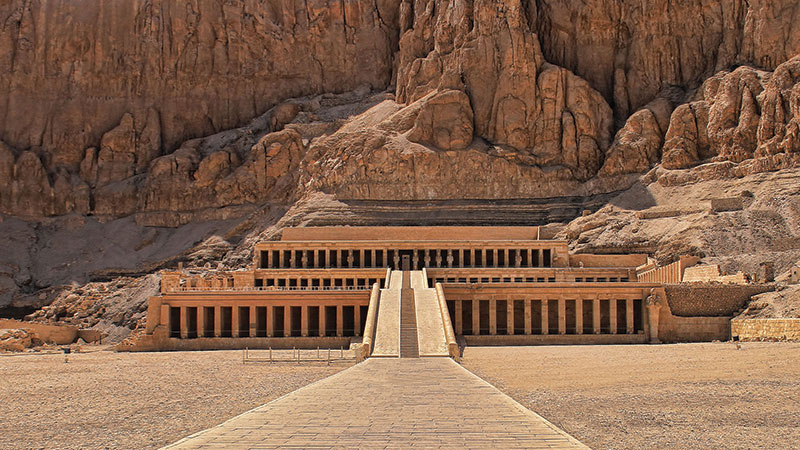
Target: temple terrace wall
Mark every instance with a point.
(766, 329)
(696, 299)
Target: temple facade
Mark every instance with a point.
(390, 287)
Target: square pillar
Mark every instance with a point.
(579, 315)
(184, 329)
(530, 257)
(476, 317)
(217, 321)
(287, 321)
(596, 315)
(545, 318)
(459, 316)
(323, 321)
(385, 257)
(493, 317)
(629, 315)
(165, 316)
(270, 324)
(509, 316)
(292, 259)
(357, 320)
(528, 317)
(268, 262)
(304, 321)
(612, 313)
(253, 321)
(562, 316)
(235, 321)
(201, 323)
(339, 320)
(494, 261)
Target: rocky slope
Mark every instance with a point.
(184, 131)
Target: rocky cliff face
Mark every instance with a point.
(167, 110)
(166, 114)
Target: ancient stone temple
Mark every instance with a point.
(413, 291)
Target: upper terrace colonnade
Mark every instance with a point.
(386, 247)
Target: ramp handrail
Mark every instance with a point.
(372, 316)
(449, 334)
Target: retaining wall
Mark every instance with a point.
(696, 299)
(766, 329)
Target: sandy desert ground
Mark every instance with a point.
(134, 400)
(682, 396)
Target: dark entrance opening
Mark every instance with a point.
(466, 317)
(261, 321)
(484, 316)
(406, 262)
(244, 321)
(297, 314)
(330, 321)
(502, 317)
(277, 321)
(174, 322)
(208, 329)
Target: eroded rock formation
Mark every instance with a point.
(207, 110)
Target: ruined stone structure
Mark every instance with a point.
(412, 290)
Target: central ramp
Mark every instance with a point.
(430, 329)
(387, 331)
(389, 402)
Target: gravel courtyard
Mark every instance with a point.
(134, 400)
(683, 396)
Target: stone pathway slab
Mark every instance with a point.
(430, 329)
(388, 403)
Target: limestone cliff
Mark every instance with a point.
(166, 109)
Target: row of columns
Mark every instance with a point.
(364, 283)
(270, 311)
(545, 325)
(378, 258)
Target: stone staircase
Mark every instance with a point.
(409, 341)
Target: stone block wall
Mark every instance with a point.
(766, 329)
(696, 299)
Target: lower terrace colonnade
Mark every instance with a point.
(285, 320)
(549, 315)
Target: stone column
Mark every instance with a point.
(654, 304)
(438, 258)
(414, 260)
(357, 320)
(545, 318)
(493, 317)
(461, 258)
(396, 260)
(579, 315)
(235, 321)
(323, 321)
(339, 320)
(292, 259)
(562, 316)
(217, 321)
(201, 323)
(450, 258)
(494, 261)
(253, 321)
(304, 321)
(385, 257)
(510, 316)
(338, 258)
(528, 317)
(596, 315)
(350, 258)
(270, 325)
(612, 315)
(629, 315)
(287, 321)
(184, 328)
(476, 317)
(427, 258)
(373, 255)
(459, 317)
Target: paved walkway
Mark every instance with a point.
(387, 331)
(388, 403)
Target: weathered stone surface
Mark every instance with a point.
(444, 121)
(637, 146)
(744, 114)
(630, 51)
